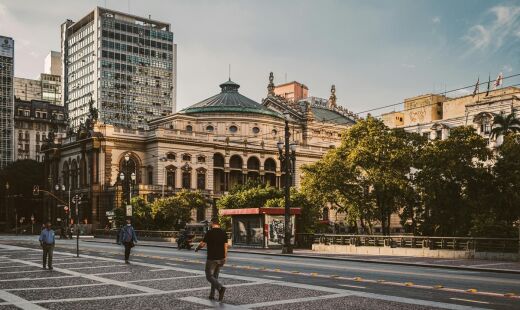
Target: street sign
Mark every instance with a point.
(66, 208)
(128, 210)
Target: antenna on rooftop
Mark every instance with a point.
(229, 72)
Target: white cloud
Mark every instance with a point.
(502, 24)
(408, 66)
(507, 68)
(436, 20)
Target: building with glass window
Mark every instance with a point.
(125, 63)
(6, 100)
(210, 146)
(46, 88)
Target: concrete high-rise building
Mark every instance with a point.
(52, 63)
(125, 63)
(6, 100)
(47, 88)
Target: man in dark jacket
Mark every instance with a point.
(216, 241)
(128, 237)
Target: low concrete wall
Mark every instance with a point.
(416, 252)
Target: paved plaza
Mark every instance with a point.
(99, 279)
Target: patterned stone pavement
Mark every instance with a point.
(96, 282)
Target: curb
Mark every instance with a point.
(347, 259)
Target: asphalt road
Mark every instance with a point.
(254, 280)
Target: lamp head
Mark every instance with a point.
(280, 145)
(293, 147)
(127, 157)
(121, 176)
(132, 176)
(57, 187)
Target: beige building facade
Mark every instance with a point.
(434, 115)
(210, 146)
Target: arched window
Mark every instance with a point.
(218, 160)
(201, 159)
(253, 163)
(189, 128)
(210, 128)
(66, 174)
(256, 130)
(235, 162)
(270, 165)
(186, 157)
(170, 156)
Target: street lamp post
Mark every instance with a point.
(287, 161)
(7, 204)
(76, 200)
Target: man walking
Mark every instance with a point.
(128, 238)
(47, 242)
(216, 240)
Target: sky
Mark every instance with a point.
(376, 52)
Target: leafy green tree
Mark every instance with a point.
(366, 176)
(142, 213)
(504, 124)
(250, 195)
(506, 206)
(175, 211)
(453, 172)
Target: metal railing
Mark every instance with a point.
(504, 245)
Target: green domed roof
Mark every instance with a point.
(229, 100)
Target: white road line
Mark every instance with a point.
(352, 286)
(212, 303)
(470, 300)
(295, 300)
(24, 271)
(53, 287)
(172, 264)
(100, 279)
(18, 301)
(12, 266)
(94, 267)
(35, 279)
(155, 270)
(109, 273)
(161, 279)
(273, 277)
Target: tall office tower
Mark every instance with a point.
(6, 100)
(125, 63)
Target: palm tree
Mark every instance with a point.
(504, 124)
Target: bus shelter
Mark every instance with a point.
(260, 227)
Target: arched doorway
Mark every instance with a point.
(253, 168)
(270, 172)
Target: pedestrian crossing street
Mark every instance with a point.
(95, 282)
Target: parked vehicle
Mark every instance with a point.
(184, 241)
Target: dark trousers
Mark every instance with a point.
(48, 250)
(128, 247)
(212, 270)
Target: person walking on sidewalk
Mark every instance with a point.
(216, 241)
(128, 238)
(47, 241)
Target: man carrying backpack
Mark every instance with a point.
(128, 238)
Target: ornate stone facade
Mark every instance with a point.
(210, 146)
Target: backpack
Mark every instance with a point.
(128, 234)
